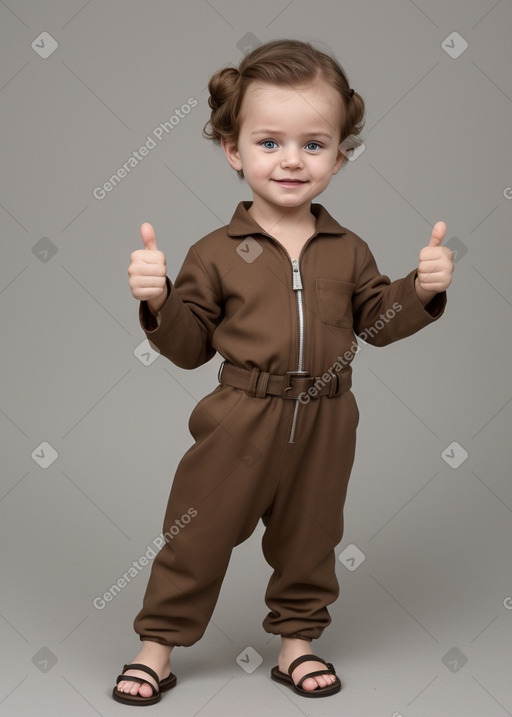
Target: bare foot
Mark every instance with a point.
(291, 648)
(154, 655)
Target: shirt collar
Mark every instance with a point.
(242, 224)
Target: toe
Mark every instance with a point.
(310, 684)
(134, 687)
(145, 690)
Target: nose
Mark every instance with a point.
(291, 158)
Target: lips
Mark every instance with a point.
(290, 181)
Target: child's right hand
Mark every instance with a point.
(148, 271)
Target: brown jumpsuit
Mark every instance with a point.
(284, 456)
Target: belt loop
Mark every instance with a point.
(337, 390)
(261, 385)
(219, 374)
(253, 380)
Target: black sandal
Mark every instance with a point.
(163, 686)
(332, 689)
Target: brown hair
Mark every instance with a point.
(278, 62)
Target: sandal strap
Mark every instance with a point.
(140, 680)
(304, 658)
(143, 668)
(314, 674)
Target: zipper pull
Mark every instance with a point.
(296, 278)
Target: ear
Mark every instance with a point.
(340, 159)
(232, 153)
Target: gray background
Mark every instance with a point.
(435, 587)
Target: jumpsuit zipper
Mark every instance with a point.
(298, 288)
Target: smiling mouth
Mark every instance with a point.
(290, 181)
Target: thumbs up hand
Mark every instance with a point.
(148, 271)
(435, 267)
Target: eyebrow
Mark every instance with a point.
(277, 133)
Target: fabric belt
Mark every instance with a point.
(293, 384)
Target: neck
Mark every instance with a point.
(271, 217)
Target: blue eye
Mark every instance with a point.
(267, 142)
(316, 146)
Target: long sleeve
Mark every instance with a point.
(386, 311)
(184, 327)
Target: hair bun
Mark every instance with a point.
(221, 86)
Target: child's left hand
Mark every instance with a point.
(435, 267)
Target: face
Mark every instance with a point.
(288, 144)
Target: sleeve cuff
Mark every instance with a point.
(436, 306)
(148, 321)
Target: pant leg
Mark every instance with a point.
(305, 521)
(223, 481)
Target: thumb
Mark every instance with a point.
(148, 236)
(438, 233)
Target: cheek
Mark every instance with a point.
(324, 168)
(258, 165)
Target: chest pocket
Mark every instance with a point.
(335, 302)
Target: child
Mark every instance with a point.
(279, 292)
